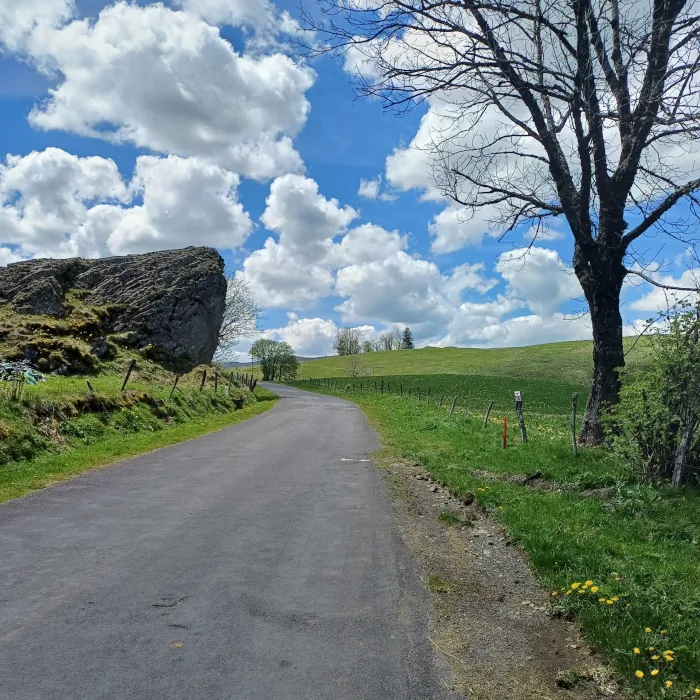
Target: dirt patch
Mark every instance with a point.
(536, 481)
(490, 617)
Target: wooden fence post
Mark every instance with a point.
(574, 446)
(452, 407)
(382, 386)
(428, 394)
(418, 394)
(228, 388)
(92, 391)
(216, 382)
(519, 412)
(488, 413)
(132, 364)
(401, 389)
(172, 391)
(505, 432)
(442, 396)
(204, 379)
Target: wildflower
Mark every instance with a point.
(575, 585)
(668, 652)
(568, 592)
(637, 650)
(647, 629)
(663, 632)
(617, 578)
(601, 600)
(655, 672)
(639, 674)
(500, 507)
(555, 592)
(614, 573)
(594, 589)
(697, 691)
(614, 600)
(588, 583)
(669, 684)
(656, 657)
(609, 602)
(481, 490)
(582, 592)
(651, 648)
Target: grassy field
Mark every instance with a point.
(632, 550)
(567, 362)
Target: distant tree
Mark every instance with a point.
(391, 340)
(367, 346)
(276, 359)
(348, 341)
(407, 339)
(241, 315)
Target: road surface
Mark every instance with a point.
(255, 563)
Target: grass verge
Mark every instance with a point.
(623, 561)
(21, 477)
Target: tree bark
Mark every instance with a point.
(602, 284)
(681, 458)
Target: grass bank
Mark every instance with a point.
(44, 441)
(623, 560)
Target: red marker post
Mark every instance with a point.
(505, 432)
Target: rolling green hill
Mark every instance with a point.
(569, 362)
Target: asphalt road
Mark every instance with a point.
(251, 564)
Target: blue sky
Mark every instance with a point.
(221, 135)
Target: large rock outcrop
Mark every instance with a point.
(171, 301)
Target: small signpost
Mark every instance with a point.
(519, 412)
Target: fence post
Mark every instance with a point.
(574, 446)
(228, 388)
(92, 391)
(401, 389)
(172, 391)
(132, 364)
(442, 396)
(452, 407)
(428, 394)
(505, 432)
(216, 382)
(382, 386)
(488, 413)
(418, 394)
(519, 412)
(204, 379)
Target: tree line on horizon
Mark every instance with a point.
(352, 341)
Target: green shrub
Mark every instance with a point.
(654, 426)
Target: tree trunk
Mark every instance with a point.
(682, 450)
(602, 289)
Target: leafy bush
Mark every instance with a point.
(654, 427)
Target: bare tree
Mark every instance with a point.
(391, 340)
(241, 315)
(586, 109)
(348, 341)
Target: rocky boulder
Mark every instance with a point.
(170, 303)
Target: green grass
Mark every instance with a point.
(93, 442)
(648, 537)
(567, 362)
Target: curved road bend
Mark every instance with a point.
(249, 564)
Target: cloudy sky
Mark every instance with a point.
(129, 127)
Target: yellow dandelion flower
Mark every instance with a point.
(639, 674)
(568, 593)
(617, 578)
(500, 507)
(583, 588)
(668, 652)
(481, 489)
(647, 629)
(656, 657)
(669, 684)
(594, 589)
(697, 691)
(614, 600)
(655, 672)
(555, 592)
(588, 583)
(601, 600)
(575, 585)
(663, 632)
(637, 650)
(609, 602)
(651, 648)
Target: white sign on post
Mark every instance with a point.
(517, 396)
